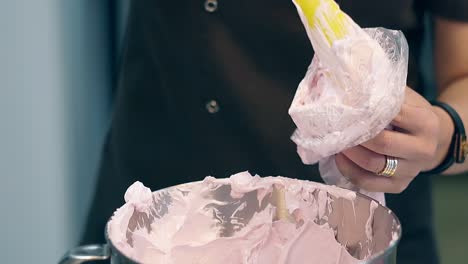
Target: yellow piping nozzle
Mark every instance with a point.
(327, 17)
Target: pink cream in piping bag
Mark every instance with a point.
(352, 90)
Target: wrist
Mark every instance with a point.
(445, 135)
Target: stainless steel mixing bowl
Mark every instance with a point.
(349, 220)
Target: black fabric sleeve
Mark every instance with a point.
(449, 9)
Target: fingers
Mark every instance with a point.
(416, 120)
(366, 159)
(416, 115)
(399, 145)
(411, 119)
(367, 180)
(375, 163)
(413, 143)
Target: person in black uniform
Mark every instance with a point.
(205, 87)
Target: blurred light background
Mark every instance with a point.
(56, 75)
(57, 70)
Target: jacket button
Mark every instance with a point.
(212, 107)
(211, 6)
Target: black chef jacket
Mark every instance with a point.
(204, 89)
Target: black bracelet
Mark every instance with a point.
(458, 146)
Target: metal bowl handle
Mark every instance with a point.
(86, 253)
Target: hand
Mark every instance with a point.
(420, 141)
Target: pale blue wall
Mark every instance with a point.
(54, 105)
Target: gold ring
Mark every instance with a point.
(391, 165)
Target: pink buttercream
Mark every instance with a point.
(189, 232)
